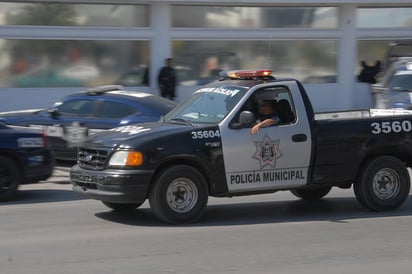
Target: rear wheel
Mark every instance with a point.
(311, 193)
(179, 195)
(9, 178)
(122, 207)
(383, 185)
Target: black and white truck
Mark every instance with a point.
(204, 147)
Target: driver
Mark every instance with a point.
(268, 116)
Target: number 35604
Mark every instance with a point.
(394, 126)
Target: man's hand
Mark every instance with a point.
(255, 129)
(264, 123)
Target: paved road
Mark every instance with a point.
(49, 229)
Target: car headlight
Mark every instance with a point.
(126, 158)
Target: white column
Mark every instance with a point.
(347, 56)
(161, 47)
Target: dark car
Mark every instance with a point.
(24, 158)
(68, 122)
(394, 89)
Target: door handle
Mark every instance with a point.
(299, 138)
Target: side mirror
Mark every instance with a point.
(246, 119)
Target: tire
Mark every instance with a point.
(383, 185)
(179, 195)
(311, 193)
(122, 207)
(9, 178)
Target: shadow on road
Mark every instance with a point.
(339, 210)
(36, 196)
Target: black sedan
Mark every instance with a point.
(68, 122)
(24, 158)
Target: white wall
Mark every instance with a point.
(327, 97)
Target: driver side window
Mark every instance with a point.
(277, 99)
(78, 108)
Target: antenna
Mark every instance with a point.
(269, 52)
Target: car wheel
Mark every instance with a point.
(9, 178)
(311, 193)
(383, 185)
(179, 195)
(122, 207)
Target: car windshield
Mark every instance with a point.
(402, 82)
(207, 105)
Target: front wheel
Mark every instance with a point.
(179, 195)
(122, 207)
(9, 178)
(383, 185)
(311, 193)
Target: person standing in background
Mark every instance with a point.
(167, 80)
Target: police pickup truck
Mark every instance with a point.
(204, 147)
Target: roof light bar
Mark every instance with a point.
(247, 74)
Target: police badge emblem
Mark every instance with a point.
(267, 152)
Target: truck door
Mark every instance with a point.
(277, 156)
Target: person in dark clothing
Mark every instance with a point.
(167, 80)
(268, 116)
(368, 73)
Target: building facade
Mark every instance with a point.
(52, 48)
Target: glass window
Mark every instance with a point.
(59, 63)
(278, 98)
(86, 15)
(159, 104)
(80, 108)
(371, 60)
(253, 17)
(109, 109)
(306, 60)
(402, 81)
(384, 17)
(207, 105)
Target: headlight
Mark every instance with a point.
(126, 158)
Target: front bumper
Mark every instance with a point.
(115, 186)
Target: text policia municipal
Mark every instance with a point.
(268, 176)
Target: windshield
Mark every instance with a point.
(401, 82)
(207, 105)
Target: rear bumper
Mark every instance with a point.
(115, 186)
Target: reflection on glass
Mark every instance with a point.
(207, 105)
(308, 60)
(86, 15)
(384, 51)
(371, 51)
(50, 63)
(384, 17)
(253, 17)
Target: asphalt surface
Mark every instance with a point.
(49, 229)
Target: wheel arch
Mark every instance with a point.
(14, 157)
(183, 160)
(404, 157)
